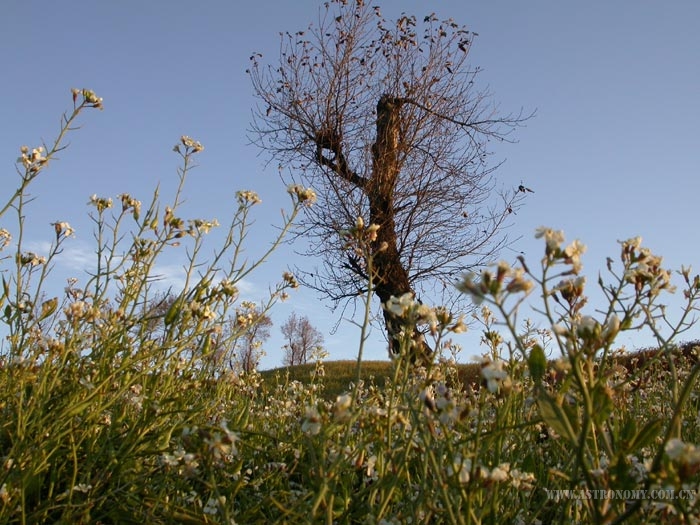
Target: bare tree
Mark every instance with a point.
(251, 328)
(385, 121)
(302, 339)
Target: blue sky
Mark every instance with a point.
(612, 152)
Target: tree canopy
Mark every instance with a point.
(386, 121)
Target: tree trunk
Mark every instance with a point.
(391, 278)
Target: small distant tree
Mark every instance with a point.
(156, 309)
(253, 325)
(302, 339)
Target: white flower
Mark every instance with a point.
(248, 197)
(611, 328)
(399, 306)
(341, 407)
(493, 374)
(190, 143)
(553, 238)
(63, 228)
(461, 468)
(500, 473)
(311, 424)
(587, 326)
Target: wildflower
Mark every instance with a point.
(190, 144)
(573, 254)
(460, 468)
(553, 239)
(522, 480)
(75, 310)
(571, 290)
(129, 203)
(372, 232)
(5, 238)
(630, 247)
(469, 287)
(400, 306)
(686, 454)
(248, 197)
(428, 399)
(290, 280)
(228, 288)
(306, 196)
(100, 203)
(32, 162)
(90, 98)
(213, 504)
(311, 423)
(500, 473)
(588, 327)
(169, 460)
(494, 374)
(203, 226)
(222, 445)
(459, 327)
(31, 259)
(610, 328)
(518, 283)
(341, 407)
(63, 228)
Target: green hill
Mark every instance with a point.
(338, 375)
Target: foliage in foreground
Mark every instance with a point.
(111, 415)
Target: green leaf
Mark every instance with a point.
(173, 312)
(47, 308)
(602, 403)
(537, 362)
(646, 435)
(556, 417)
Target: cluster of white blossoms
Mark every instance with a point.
(587, 329)
(495, 376)
(247, 197)
(129, 203)
(202, 226)
(505, 279)
(63, 229)
(643, 268)
(414, 312)
(89, 97)
(201, 311)
(306, 196)
(686, 454)
(311, 422)
(571, 254)
(191, 145)
(101, 203)
(31, 259)
(290, 280)
(5, 238)
(32, 161)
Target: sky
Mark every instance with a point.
(612, 152)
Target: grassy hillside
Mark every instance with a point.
(338, 375)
